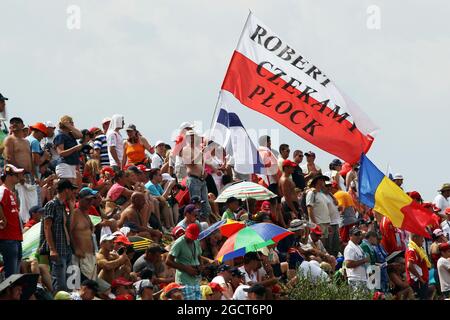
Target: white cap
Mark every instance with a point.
(185, 125)
(106, 120)
(125, 231)
(190, 133)
(14, 169)
(167, 177)
(50, 124)
(106, 237)
(158, 143)
(398, 176)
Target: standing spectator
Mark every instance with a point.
(185, 257)
(3, 129)
(347, 211)
(317, 206)
(335, 217)
(291, 206)
(48, 145)
(83, 237)
(335, 175)
(443, 267)
(390, 238)
(115, 142)
(284, 155)
(10, 225)
(55, 238)
(352, 176)
(355, 261)
(159, 155)
(135, 147)
(417, 267)
(398, 180)
(68, 149)
(101, 146)
(17, 148)
(310, 169)
(297, 176)
(39, 156)
(441, 200)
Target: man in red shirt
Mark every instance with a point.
(389, 235)
(417, 266)
(10, 224)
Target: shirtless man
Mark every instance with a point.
(82, 235)
(110, 264)
(287, 190)
(192, 155)
(17, 149)
(138, 213)
(310, 169)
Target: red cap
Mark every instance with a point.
(289, 163)
(265, 205)
(334, 184)
(143, 168)
(94, 130)
(192, 231)
(444, 246)
(447, 211)
(121, 281)
(123, 240)
(216, 287)
(108, 170)
(177, 232)
(415, 195)
(276, 289)
(317, 230)
(127, 297)
(172, 286)
(40, 127)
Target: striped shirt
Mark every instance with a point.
(100, 143)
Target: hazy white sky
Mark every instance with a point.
(162, 62)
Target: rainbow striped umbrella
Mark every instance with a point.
(250, 239)
(227, 228)
(245, 190)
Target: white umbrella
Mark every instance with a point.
(245, 190)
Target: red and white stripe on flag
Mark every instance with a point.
(271, 77)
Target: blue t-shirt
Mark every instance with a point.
(69, 142)
(155, 190)
(35, 145)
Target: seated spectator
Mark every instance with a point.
(110, 264)
(35, 217)
(232, 206)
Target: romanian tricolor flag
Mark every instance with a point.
(380, 193)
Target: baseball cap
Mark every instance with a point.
(336, 162)
(87, 193)
(109, 170)
(2, 97)
(265, 205)
(235, 272)
(197, 199)
(447, 211)
(50, 124)
(310, 154)
(317, 230)
(398, 176)
(143, 168)
(131, 127)
(190, 208)
(94, 130)
(444, 246)
(192, 231)
(10, 169)
(141, 285)
(216, 287)
(105, 120)
(190, 133)
(106, 237)
(121, 281)
(223, 268)
(177, 232)
(289, 163)
(297, 225)
(127, 297)
(259, 289)
(438, 233)
(172, 287)
(159, 142)
(123, 240)
(186, 125)
(167, 177)
(134, 169)
(354, 231)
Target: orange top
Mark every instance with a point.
(135, 152)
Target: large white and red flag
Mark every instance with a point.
(268, 75)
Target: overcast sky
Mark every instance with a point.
(162, 62)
